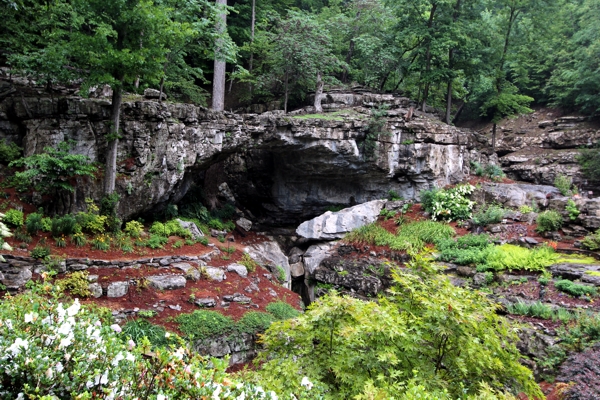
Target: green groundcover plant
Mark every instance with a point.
(53, 348)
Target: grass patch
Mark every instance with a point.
(541, 310)
(137, 329)
(202, 324)
(576, 259)
(281, 310)
(575, 289)
(466, 250)
(330, 116)
(513, 257)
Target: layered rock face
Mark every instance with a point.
(283, 168)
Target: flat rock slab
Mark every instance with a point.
(238, 269)
(205, 302)
(167, 282)
(237, 298)
(215, 274)
(573, 271)
(117, 289)
(190, 271)
(95, 290)
(335, 225)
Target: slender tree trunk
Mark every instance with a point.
(428, 57)
(319, 93)
(162, 85)
(286, 93)
(494, 138)
(458, 112)
(455, 16)
(110, 173)
(252, 23)
(218, 95)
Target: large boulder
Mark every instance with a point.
(269, 255)
(335, 225)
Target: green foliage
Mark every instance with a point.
(563, 183)
(387, 214)
(51, 171)
(525, 209)
(575, 289)
(592, 241)
(76, 283)
(60, 241)
(101, 242)
(178, 244)
(493, 214)
(33, 223)
(134, 229)
(281, 310)
(548, 221)
(541, 310)
(572, 209)
(393, 196)
(376, 127)
(247, 262)
(46, 224)
(492, 171)
(465, 250)
(589, 161)
(156, 241)
(79, 239)
(449, 204)
(281, 275)
(40, 252)
(9, 152)
(513, 257)
(65, 225)
(446, 338)
(13, 218)
(203, 324)
(254, 322)
(140, 328)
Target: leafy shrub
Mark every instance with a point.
(40, 252)
(281, 310)
(525, 209)
(493, 172)
(134, 229)
(549, 221)
(254, 322)
(79, 239)
(466, 250)
(9, 152)
(46, 224)
(393, 196)
(541, 310)
(203, 240)
(281, 275)
(248, 262)
(14, 218)
(158, 228)
(563, 183)
(592, 241)
(493, 214)
(23, 236)
(575, 289)
(216, 223)
(76, 283)
(202, 324)
(156, 241)
(78, 354)
(33, 223)
(449, 204)
(346, 335)
(101, 242)
(513, 257)
(572, 209)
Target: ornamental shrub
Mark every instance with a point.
(281, 310)
(134, 229)
(202, 324)
(592, 241)
(53, 349)
(254, 322)
(14, 218)
(449, 204)
(563, 183)
(493, 214)
(33, 223)
(9, 152)
(511, 257)
(549, 221)
(575, 289)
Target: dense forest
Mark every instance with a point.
(470, 57)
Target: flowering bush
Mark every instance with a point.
(51, 349)
(452, 204)
(4, 232)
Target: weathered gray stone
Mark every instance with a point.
(237, 298)
(192, 228)
(15, 277)
(270, 255)
(238, 269)
(214, 273)
(117, 289)
(95, 290)
(244, 223)
(205, 302)
(154, 94)
(335, 225)
(297, 270)
(167, 282)
(315, 254)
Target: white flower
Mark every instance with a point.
(216, 393)
(59, 367)
(116, 328)
(167, 334)
(241, 396)
(30, 317)
(130, 344)
(64, 329)
(6, 246)
(74, 309)
(273, 395)
(118, 358)
(130, 357)
(306, 383)
(49, 373)
(161, 397)
(19, 344)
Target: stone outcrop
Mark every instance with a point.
(283, 168)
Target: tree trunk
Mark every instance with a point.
(319, 94)
(428, 58)
(286, 93)
(494, 138)
(162, 85)
(218, 95)
(110, 173)
(455, 16)
(458, 112)
(252, 23)
(449, 102)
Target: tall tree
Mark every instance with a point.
(218, 93)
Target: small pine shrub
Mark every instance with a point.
(217, 224)
(466, 250)
(67, 225)
(13, 218)
(575, 289)
(393, 196)
(40, 252)
(9, 152)
(203, 240)
(572, 209)
(549, 221)
(281, 310)
(493, 172)
(281, 275)
(592, 241)
(33, 223)
(156, 241)
(427, 199)
(46, 224)
(493, 214)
